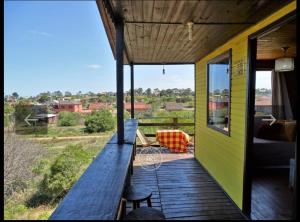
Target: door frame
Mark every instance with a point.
(250, 105)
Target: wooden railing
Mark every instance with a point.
(98, 192)
(174, 125)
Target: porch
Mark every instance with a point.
(182, 189)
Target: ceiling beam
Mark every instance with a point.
(196, 23)
(164, 63)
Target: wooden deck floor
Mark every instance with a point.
(181, 188)
(271, 197)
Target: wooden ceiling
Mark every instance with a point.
(156, 31)
(269, 46)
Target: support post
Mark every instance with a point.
(132, 89)
(119, 25)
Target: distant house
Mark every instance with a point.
(217, 105)
(263, 101)
(48, 118)
(263, 104)
(52, 103)
(98, 106)
(67, 98)
(171, 106)
(138, 107)
(70, 106)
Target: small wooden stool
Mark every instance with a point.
(145, 213)
(137, 194)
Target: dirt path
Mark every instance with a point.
(66, 137)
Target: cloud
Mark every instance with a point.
(94, 66)
(40, 33)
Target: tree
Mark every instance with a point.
(225, 92)
(64, 172)
(156, 91)
(169, 92)
(162, 93)
(8, 109)
(148, 92)
(67, 93)
(139, 91)
(99, 121)
(79, 94)
(187, 92)
(217, 92)
(15, 95)
(57, 94)
(43, 98)
(90, 93)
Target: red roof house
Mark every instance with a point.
(70, 106)
(98, 106)
(137, 106)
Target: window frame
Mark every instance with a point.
(216, 59)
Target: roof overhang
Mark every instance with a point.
(156, 32)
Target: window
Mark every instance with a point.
(263, 93)
(218, 92)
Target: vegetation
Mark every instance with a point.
(141, 95)
(68, 118)
(64, 172)
(8, 111)
(99, 121)
(60, 156)
(19, 155)
(33, 202)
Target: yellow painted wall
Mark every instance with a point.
(221, 155)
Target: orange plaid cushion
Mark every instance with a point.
(175, 140)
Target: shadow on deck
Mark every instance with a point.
(182, 189)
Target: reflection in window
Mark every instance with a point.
(263, 93)
(219, 70)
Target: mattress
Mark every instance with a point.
(272, 153)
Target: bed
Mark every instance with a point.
(271, 153)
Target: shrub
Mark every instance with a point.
(68, 119)
(64, 172)
(99, 121)
(13, 209)
(44, 216)
(126, 115)
(40, 166)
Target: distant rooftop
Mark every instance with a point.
(93, 106)
(137, 106)
(263, 101)
(65, 102)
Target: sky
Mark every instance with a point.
(218, 78)
(62, 45)
(263, 80)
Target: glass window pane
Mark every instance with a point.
(219, 92)
(263, 93)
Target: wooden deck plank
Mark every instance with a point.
(183, 190)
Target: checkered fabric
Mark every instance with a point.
(176, 140)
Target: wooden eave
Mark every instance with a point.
(156, 32)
